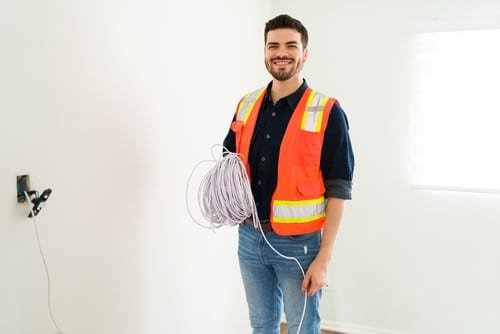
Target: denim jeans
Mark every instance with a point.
(272, 282)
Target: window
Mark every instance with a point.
(456, 116)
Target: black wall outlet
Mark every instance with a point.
(23, 184)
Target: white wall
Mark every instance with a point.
(111, 103)
(99, 100)
(411, 261)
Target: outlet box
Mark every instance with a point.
(23, 184)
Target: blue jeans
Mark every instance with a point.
(271, 281)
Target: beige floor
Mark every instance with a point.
(284, 330)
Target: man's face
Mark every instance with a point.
(284, 53)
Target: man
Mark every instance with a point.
(297, 150)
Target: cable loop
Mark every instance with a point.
(225, 196)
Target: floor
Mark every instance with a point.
(284, 330)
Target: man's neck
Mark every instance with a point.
(280, 89)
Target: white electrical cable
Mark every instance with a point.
(225, 198)
(44, 264)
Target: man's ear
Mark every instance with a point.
(306, 53)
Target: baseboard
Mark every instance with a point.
(353, 329)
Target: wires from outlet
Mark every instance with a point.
(46, 267)
(225, 198)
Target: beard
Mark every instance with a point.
(282, 74)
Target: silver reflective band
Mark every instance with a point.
(298, 211)
(313, 115)
(247, 104)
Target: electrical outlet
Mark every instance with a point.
(23, 185)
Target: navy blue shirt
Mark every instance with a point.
(337, 158)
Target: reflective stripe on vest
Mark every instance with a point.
(246, 106)
(298, 211)
(313, 115)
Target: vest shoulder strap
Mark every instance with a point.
(316, 105)
(247, 103)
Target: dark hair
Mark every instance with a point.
(286, 21)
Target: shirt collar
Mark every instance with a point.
(292, 99)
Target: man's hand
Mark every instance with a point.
(317, 274)
(316, 277)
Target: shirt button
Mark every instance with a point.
(263, 159)
(259, 182)
(273, 114)
(268, 136)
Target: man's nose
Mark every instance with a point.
(282, 52)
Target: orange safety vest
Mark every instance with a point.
(298, 202)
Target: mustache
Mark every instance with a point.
(281, 58)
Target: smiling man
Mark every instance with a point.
(285, 55)
(297, 150)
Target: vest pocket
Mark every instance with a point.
(308, 146)
(311, 189)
